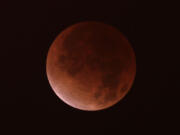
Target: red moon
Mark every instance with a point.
(91, 66)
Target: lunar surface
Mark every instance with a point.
(91, 66)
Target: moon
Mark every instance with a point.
(91, 66)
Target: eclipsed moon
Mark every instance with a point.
(91, 66)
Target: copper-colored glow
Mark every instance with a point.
(91, 66)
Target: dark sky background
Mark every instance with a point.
(27, 102)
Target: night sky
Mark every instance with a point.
(29, 105)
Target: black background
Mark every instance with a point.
(28, 104)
